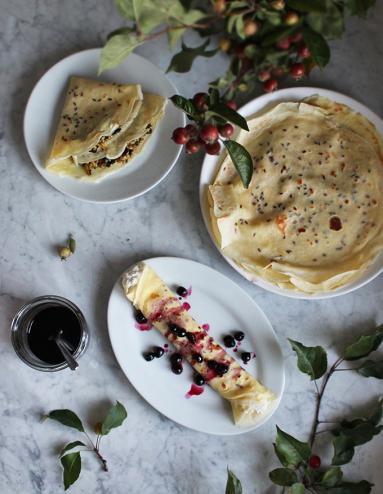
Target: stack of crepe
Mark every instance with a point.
(311, 219)
(102, 127)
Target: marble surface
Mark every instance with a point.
(149, 454)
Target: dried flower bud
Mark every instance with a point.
(291, 18)
(97, 428)
(64, 253)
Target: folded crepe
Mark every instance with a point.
(148, 293)
(102, 127)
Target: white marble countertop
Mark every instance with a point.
(150, 454)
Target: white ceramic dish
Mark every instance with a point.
(210, 168)
(215, 300)
(146, 170)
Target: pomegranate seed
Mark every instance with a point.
(180, 136)
(297, 70)
(209, 133)
(264, 75)
(283, 44)
(296, 38)
(200, 101)
(232, 104)
(213, 148)
(314, 462)
(193, 146)
(270, 85)
(226, 130)
(304, 52)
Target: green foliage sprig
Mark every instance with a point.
(70, 456)
(301, 468)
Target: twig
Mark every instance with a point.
(102, 459)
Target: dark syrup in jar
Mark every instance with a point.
(45, 325)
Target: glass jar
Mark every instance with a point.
(23, 320)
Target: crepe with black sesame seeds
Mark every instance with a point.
(311, 219)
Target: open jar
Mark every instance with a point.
(35, 325)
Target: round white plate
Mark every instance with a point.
(146, 170)
(210, 168)
(217, 301)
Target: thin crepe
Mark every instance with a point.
(311, 218)
(148, 293)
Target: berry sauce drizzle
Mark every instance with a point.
(143, 327)
(194, 391)
(205, 327)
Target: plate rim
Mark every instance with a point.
(213, 161)
(240, 430)
(91, 51)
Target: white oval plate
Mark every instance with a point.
(217, 301)
(145, 171)
(210, 168)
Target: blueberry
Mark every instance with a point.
(177, 368)
(197, 357)
(158, 351)
(181, 333)
(229, 341)
(176, 358)
(199, 380)
(181, 291)
(212, 364)
(149, 356)
(190, 337)
(173, 328)
(245, 356)
(140, 318)
(239, 335)
(221, 369)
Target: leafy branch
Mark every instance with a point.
(70, 456)
(301, 468)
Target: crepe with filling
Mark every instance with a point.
(311, 219)
(148, 293)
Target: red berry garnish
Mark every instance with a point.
(200, 101)
(270, 85)
(226, 130)
(296, 38)
(264, 75)
(232, 104)
(193, 146)
(303, 51)
(191, 130)
(209, 133)
(213, 148)
(180, 136)
(283, 44)
(314, 462)
(297, 70)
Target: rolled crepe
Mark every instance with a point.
(148, 293)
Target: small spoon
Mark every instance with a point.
(63, 347)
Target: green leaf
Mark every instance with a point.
(240, 26)
(289, 450)
(312, 360)
(233, 485)
(279, 33)
(364, 345)
(319, 49)
(283, 476)
(72, 244)
(241, 160)
(377, 414)
(68, 418)
(358, 431)
(173, 36)
(72, 468)
(362, 487)
(70, 446)
(370, 368)
(116, 415)
(297, 488)
(331, 477)
(126, 9)
(343, 450)
(222, 110)
(185, 105)
(359, 7)
(117, 48)
(182, 61)
(329, 23)
(307, 5)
